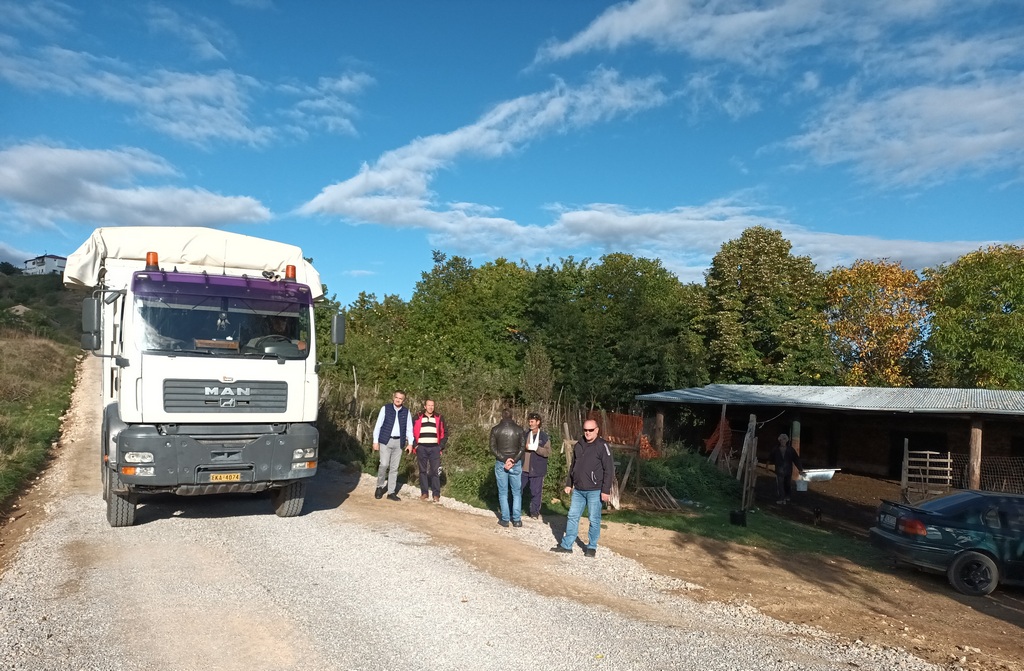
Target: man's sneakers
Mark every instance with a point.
(393, 497)
(587, 552)
(517, 523)
(424, 496)
(503, 523)
(437, 499)
(379, 492)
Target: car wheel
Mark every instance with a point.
(973, 574)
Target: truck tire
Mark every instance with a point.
(288, 500)
(120, 507)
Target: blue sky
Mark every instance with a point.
(370, 133)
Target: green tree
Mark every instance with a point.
(374, 345)
(640, 330)
(875, 317)
(553, 318)
(615, 329)
(763, 322)
(977, 327)
(464, 332)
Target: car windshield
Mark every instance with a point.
(207, 315)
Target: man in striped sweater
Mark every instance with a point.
(429, 440)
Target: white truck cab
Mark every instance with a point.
(210, 363)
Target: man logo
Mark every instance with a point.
(227, 391)
(227, 402)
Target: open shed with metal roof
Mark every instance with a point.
(864, 429)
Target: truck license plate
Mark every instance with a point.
(225, 477)
(888, 521)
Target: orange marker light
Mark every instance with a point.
(127, 470)
(289, 272)
(152, 261)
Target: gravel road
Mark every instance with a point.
(222, 583)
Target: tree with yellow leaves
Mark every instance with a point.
(875, 317)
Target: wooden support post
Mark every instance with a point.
(567, 443)
(974, 465)
(659, 428)
(794, 439)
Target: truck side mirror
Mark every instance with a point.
(91, 320)
(338, 329)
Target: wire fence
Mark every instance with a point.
(998, 474)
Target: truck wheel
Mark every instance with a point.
(973, 574)
(288, 500)
(120, 507)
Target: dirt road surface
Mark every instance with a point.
(221, 583)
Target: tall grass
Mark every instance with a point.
(36, 377)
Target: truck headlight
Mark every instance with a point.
(138, 457)
(304, 465)
(304, 453)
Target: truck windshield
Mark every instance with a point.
(216, 315)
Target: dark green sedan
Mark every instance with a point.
(976, 538)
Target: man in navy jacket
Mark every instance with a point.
(591, 474)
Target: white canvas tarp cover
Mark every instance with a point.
(189, 249)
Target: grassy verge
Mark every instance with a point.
(711, 495)
(36, 377)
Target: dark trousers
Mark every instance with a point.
(534, 481)
(783, 483)
(428, 458)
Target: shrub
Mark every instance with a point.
(687, 474)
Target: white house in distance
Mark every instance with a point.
(45, 265)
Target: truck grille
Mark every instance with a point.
(215, 396)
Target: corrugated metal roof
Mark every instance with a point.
(874, 399)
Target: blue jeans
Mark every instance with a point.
(513, 480)
(592, 500)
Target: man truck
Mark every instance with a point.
(209, 359)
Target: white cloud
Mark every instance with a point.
(325, 105)
(14, 255)
(687, 238)
(43, 17)
(199, 33)
(199, 108)
(395, 190)
(45, 185)
(923, 134)
(911, 92)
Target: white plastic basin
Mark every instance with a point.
(818, 474)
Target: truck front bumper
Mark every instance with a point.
(215, 459)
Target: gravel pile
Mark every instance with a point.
(198, 584)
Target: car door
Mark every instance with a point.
(1009, 538)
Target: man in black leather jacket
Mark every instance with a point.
(508, 442)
